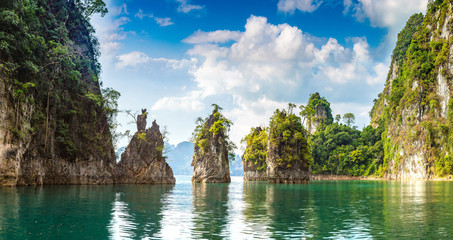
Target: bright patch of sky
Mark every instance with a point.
(177, 57)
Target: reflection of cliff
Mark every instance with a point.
(255, 212)
(421, 210)
(137, 211)
(210, 206)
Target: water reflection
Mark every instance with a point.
(320, 210)
(210, 210)
(137, 211)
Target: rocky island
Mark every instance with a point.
(212, 149)
(142, 161)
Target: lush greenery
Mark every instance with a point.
(342, 150)
(256, 150)
(48, 63)
(213, 128)
(317, 110)
(289, 137)
(409, 108)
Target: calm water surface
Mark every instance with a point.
(320, 210)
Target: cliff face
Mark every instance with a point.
(415, 106)
(142, 161)
(211, 153)
(53, 126)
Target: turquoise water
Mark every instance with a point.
(320, 210)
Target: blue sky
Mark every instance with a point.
(177, 57)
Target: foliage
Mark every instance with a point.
(213, 128)
(349, 119)
(340, 149)
(409, 109)
(314, 110)
(48, 62)
(256, 150)
(288, 135)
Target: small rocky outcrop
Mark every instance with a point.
(210, 160)
(142, 161)
(254, 158)
(288, 157)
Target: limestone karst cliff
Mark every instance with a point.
(142, 161)
(317, 112)
(415, 106)
(288, 155)
(212, 149)
(54, 125)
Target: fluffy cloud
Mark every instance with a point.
(385, 13)
(271, 59)
(185, 6)
(188, 103)
(289, 6)
(268, 63)
(219, 36)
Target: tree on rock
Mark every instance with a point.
(288, 158)
(254, 158)
(212, 148)
(316, 112)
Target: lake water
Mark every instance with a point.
(320, 210)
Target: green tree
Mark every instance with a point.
(349, 119)
(216, 125)
(337, 118)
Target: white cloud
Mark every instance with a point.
(289, 6)
(188, 103)
(185, 6)
(137, 58)
(110, 32)
(385, 13)
(266, 65)
(163, 22)
(276, 60)
(219, 36)
(132, 59)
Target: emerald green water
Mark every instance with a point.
(320, 210)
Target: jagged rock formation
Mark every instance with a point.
(254, 158)
(416, 107)
(288, 157)
(53, 126)
(211, 153)
(142, 161)
(141, 121)
(318, 112)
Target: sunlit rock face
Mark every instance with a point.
(415, 106)
(211, 164)
(142, 161)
